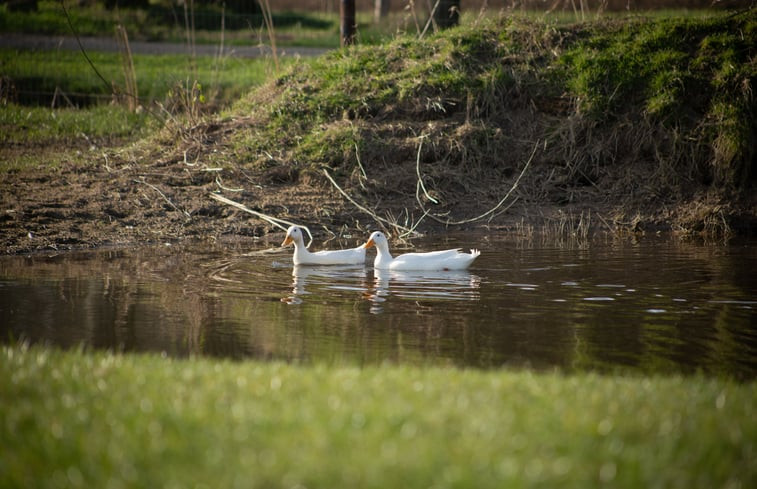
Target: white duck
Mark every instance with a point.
(302, 256)
(433, 260)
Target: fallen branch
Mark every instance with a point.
(142, 181)
(274, 221)
(223, 187)
(490, 211)
(370, 213)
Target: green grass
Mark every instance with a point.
(39, 125)
(694, 76)
(42, 71)
(165, 23)
(83, 114)
(81, 419)
(664, 66)
(31, 137)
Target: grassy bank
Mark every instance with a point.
(36, 125)
(641, 114)
(73, 419)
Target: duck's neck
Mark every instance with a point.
(300, 250)
(383, 258)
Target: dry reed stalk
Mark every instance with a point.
(266, 7)
(219, 60)
(567, 230)
(418, 173)
(363, 175)
(411, 6)
(223, 187)
(81, 47)
(189, 27)
(60, 92)
(130, 75)
(524, 229)
(430, 20)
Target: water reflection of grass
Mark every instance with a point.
(102, 420)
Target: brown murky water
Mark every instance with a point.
(652, 305)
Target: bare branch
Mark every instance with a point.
(370, 213)
(490, 211)
(142, 181)
(274, 221)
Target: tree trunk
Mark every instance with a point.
(447, 13)
(380, 9)
(347, 16)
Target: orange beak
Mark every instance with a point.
(287, 240)
(369, 243)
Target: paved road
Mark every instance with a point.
(41, 42)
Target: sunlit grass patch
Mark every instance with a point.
(68, 73)
(80, 419)
(41, 124)
(32, 136)
(666, 65)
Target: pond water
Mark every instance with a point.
(651, 305)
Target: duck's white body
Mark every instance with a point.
(302, 256)
(433, 260)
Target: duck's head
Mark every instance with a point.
(294, 235)
(377, 239)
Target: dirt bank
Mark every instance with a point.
(118, 203)
(111, 201)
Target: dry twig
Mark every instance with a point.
(274, 221)
(407, 230)
(418, 172)
(487, 213)
(186, 214)
(362, 170)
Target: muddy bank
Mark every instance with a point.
(115, 202)
(99, 204)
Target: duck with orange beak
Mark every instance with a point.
(452, 259)
(302, 256)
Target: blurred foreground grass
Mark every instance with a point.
(81, 419)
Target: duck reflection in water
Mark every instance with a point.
(422, 286)
(307, 278)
